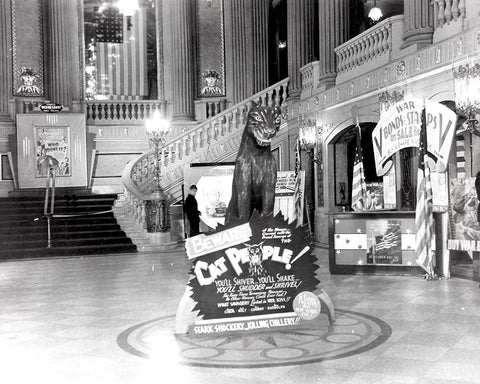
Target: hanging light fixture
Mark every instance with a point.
(128, 8)
(310, 136)
(375, 13)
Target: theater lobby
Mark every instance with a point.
(337, 244)
(110, 319)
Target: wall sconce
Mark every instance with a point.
(311, 139)
(467, 95)
(375, 13)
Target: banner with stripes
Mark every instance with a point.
(297, 157)
(424, 208)
(122, 67)
(358, 181)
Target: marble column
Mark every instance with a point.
(246, 35)
(182, 29)
(5, 58)
(418, 22)
(238, 25)
(260, 44)
(300, 40)
(63, 81)
(334, 30)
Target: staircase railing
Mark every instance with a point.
(211, 141)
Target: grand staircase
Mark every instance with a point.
(83, 224)
(212, 141)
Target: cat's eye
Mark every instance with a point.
(258, 118)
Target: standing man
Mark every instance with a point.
(191, 211)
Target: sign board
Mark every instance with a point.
(465, 230)
(252, 276)
(399, 128)
(43, 142)
(51, 107)
(289, 193)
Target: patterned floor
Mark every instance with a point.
(108, 320)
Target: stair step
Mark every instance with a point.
(29, 253)
(83, 224)
(5, 247)
(35, 193)
(61, 235)
(86, 218)
(59, 210)
(41, 227)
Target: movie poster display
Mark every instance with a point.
(213, 195)
(52, 148)
(465, 231)
(373, 196)
(389, 189)
(384, 242)
(289, 199)
(252, 276)
(439, 182)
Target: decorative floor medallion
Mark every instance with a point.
(351, 334)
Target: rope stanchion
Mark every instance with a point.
(56, 216)
(49, 206)
(83, 214)
(48, 213)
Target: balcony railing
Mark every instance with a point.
(97, 111)
(375, 45)
(448, 10)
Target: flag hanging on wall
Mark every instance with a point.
(122, 66)
(424, 209)
(297, 157)
(358, 180)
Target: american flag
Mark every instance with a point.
(297, 158)
(387, 241)
(122, 67)
(358, 182)
(424, 209)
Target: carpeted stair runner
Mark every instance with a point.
(91, 230)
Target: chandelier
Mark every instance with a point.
(375, 13)
(128, 8)
(467, 95)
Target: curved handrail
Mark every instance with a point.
(264, 96)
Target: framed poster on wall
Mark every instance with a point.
(43, 142)
(52, 148)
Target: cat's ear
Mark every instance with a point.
(253, 104)
(247, 245)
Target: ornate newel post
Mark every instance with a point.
(157, 213)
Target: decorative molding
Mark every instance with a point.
(427, 62)
(36, 37)
(202, 68)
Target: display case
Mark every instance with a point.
(381, 242)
